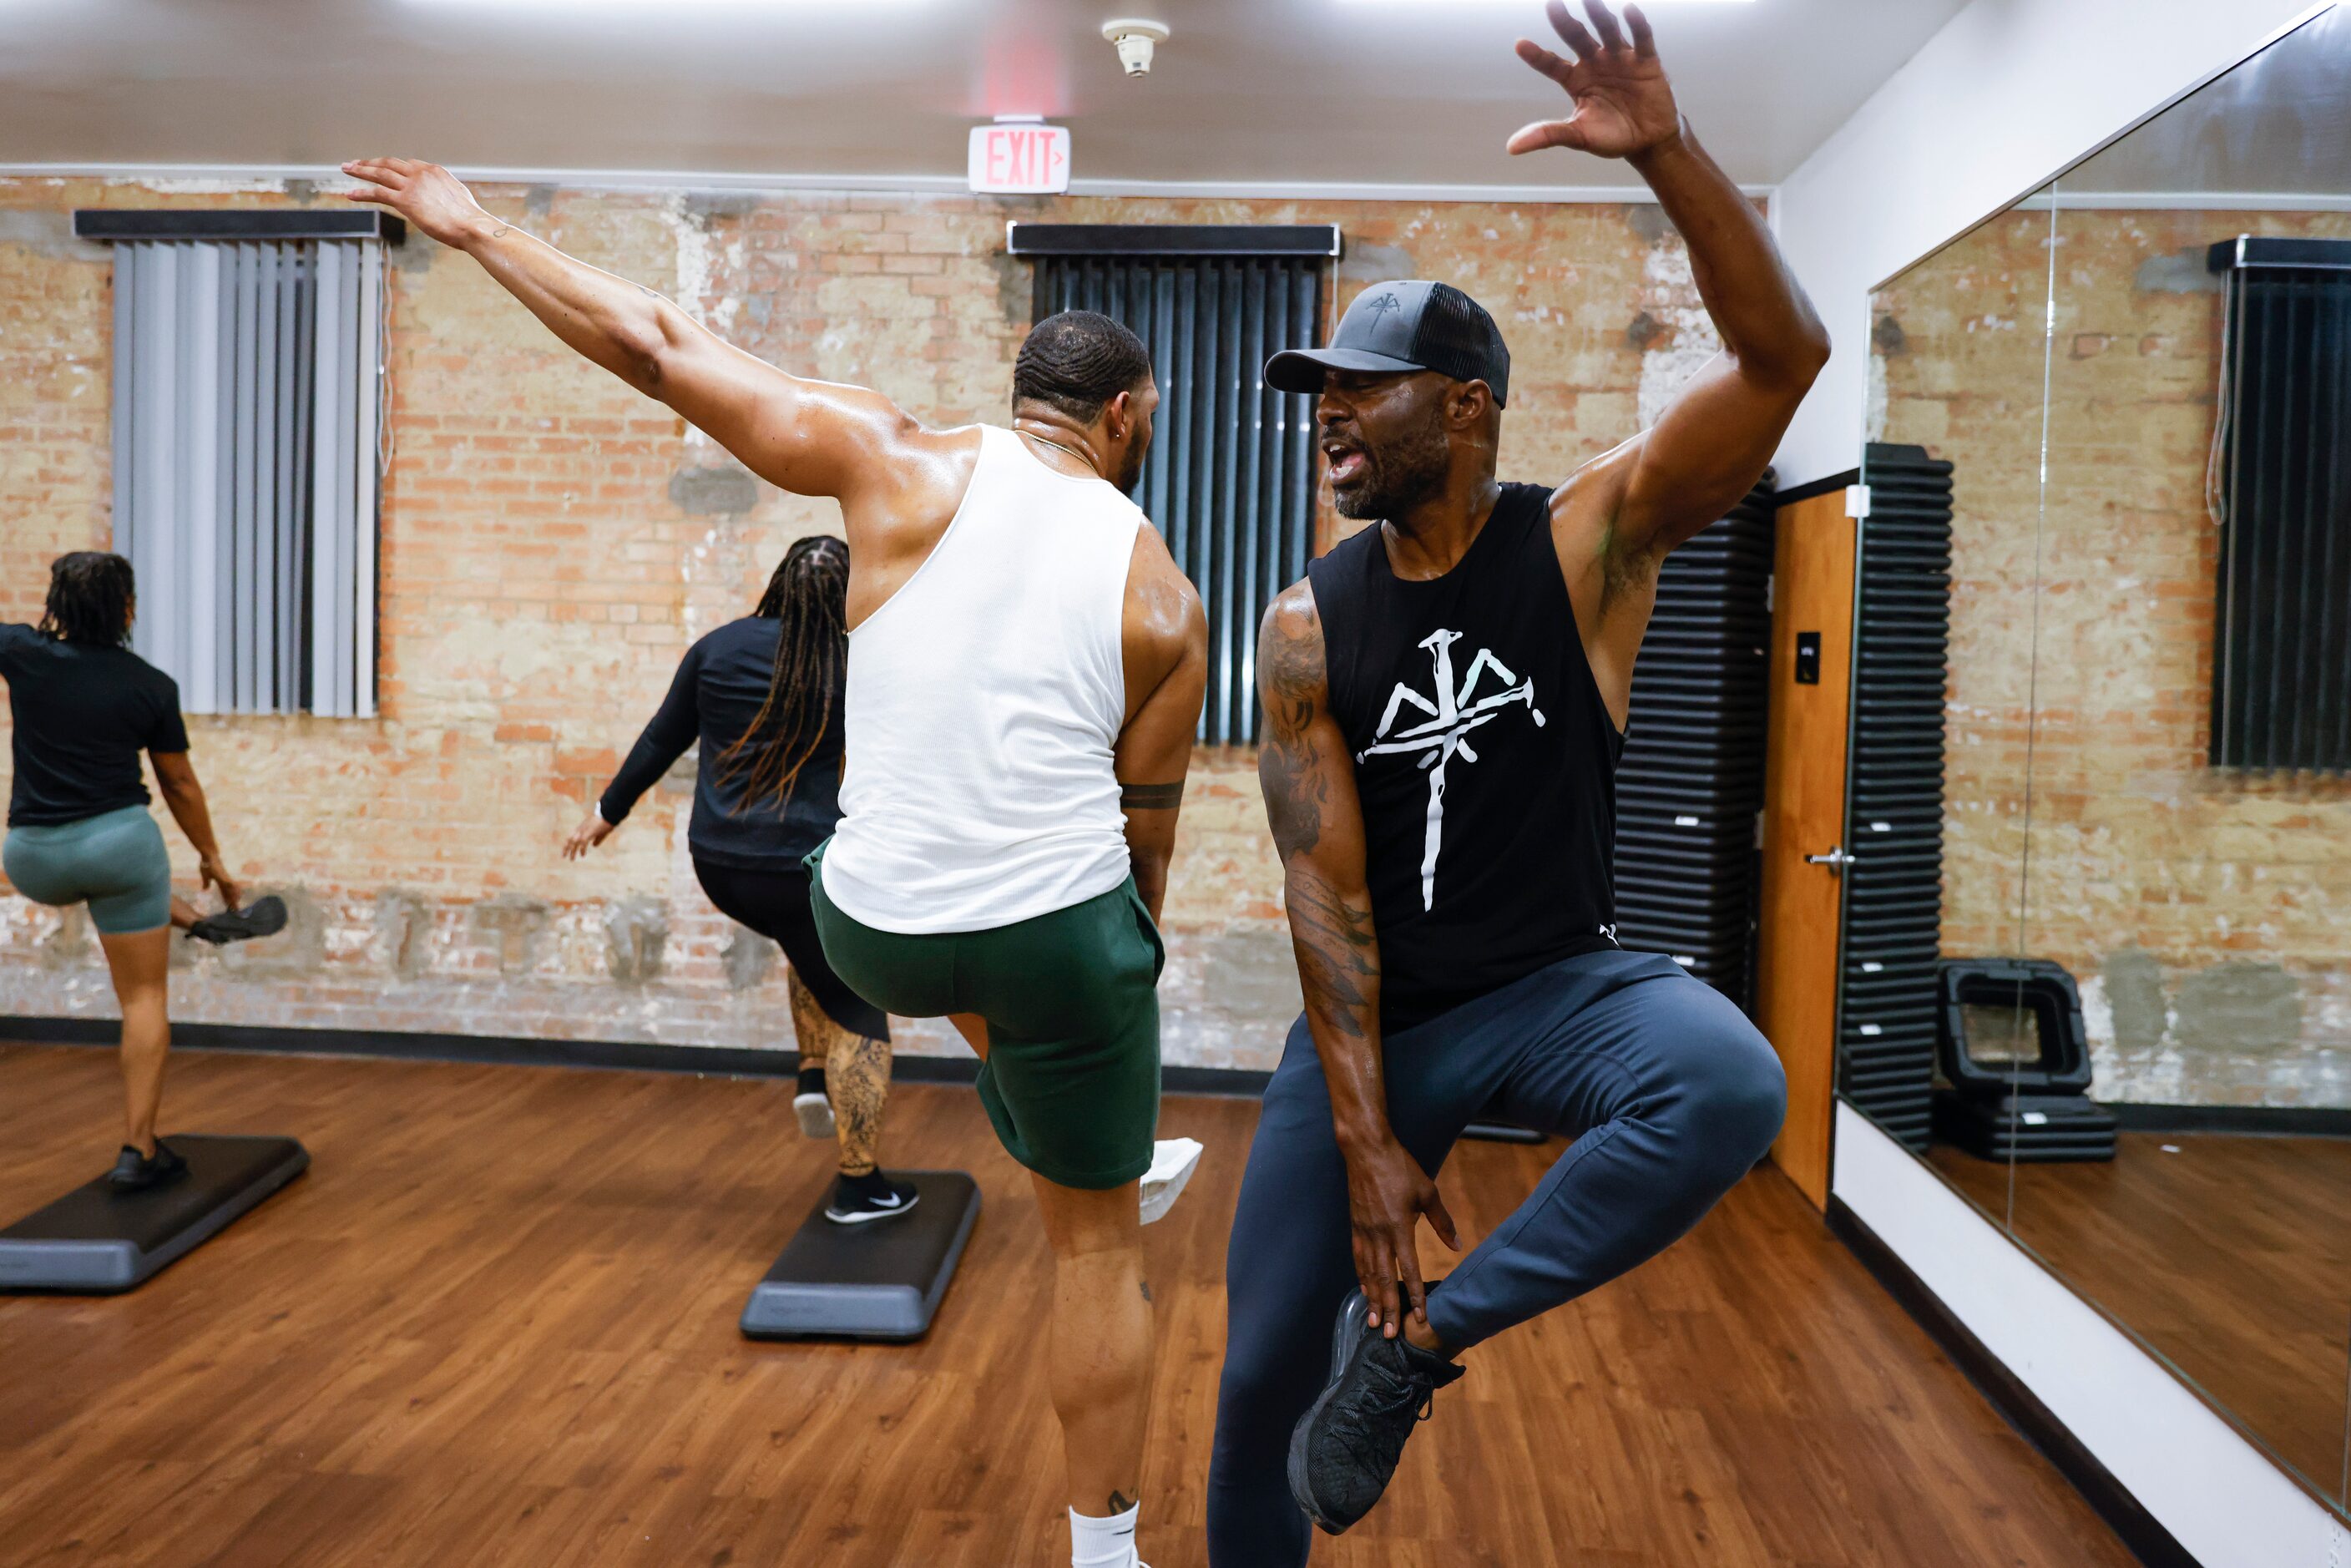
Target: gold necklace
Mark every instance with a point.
(1070, 450)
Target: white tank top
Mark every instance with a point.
(982, 703)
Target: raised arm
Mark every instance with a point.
(1715, 439)
(813, 438)
(1167, 638)
(1318, 830)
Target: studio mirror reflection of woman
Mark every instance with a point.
(79, 831)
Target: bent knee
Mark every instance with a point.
(1737, 1095)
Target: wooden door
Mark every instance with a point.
(1804, 815)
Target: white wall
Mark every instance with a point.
(2219, 1497)
(2006, 95)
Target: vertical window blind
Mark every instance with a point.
(1231, 477)
(248, 426)
(2279, 489)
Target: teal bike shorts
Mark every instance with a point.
(114, 863)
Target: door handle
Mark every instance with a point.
(1836, 859)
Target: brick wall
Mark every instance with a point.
(552, 542)
(2204, 911)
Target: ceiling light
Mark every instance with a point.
(1523, 4)
(654, 10)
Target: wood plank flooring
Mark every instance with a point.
(2228, 1256)
(495, 1324)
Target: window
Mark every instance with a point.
(1231, 477)
(2279, 489)
(248, 395)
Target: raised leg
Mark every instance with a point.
(140, 962)
(1671, 1097)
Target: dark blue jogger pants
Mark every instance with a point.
(1669, 1093)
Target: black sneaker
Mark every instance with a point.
(262, 917)
(1347, 1444)
(135, 1172)
(861, 1200)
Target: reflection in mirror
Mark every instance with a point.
(1949, 565)
(2142, 382)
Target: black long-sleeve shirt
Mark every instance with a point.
(720, 684)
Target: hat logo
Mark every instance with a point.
(1381, 304)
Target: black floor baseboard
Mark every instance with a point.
(515, 1050)
(2124, 1513)
(2265, 1120)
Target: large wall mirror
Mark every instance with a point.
(2101, 774)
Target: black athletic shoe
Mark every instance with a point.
(1347, 1444)
(135, 1172)
(262, 917)
(861, 1200)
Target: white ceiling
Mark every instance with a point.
(1304, 93)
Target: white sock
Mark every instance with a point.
(1103, 1543)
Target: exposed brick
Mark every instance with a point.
(539, 576)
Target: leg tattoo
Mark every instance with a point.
(858, 1077)
(810, 1028)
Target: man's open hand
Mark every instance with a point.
(435, 201)
(1624, 104)
(1387, 1194)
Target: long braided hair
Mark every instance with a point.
(90, 598)
(809, 594)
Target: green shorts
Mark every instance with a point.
(114, 861)
(1072, 1079)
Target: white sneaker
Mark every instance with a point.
(1173, 1161)
(815, 1113)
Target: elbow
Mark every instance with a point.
(1789, 370)
(1812, 350)
(648, 346)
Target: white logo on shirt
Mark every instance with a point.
(1445, 731)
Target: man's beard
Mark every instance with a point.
(1130, 469)
(1398, 476)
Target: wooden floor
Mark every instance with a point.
(2229, 1257)
(495, 1324)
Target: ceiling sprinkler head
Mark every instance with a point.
(1134, 39)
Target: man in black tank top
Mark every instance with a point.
(1445, 696)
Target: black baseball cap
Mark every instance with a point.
(1413, 325)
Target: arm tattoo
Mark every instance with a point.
(1290, 672)
(1337, 947)
(1338, 952)
(1150, 796)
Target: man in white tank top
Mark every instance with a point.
(1025, 676)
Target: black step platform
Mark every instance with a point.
(880, 1280)
(98, 1241)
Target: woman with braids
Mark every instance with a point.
(79, 830)
(763, 696)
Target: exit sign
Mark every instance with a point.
(1020, 160)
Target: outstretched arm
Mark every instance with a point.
(813, 438)
(676, 725)
(1318, 831)
(1713, 442)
